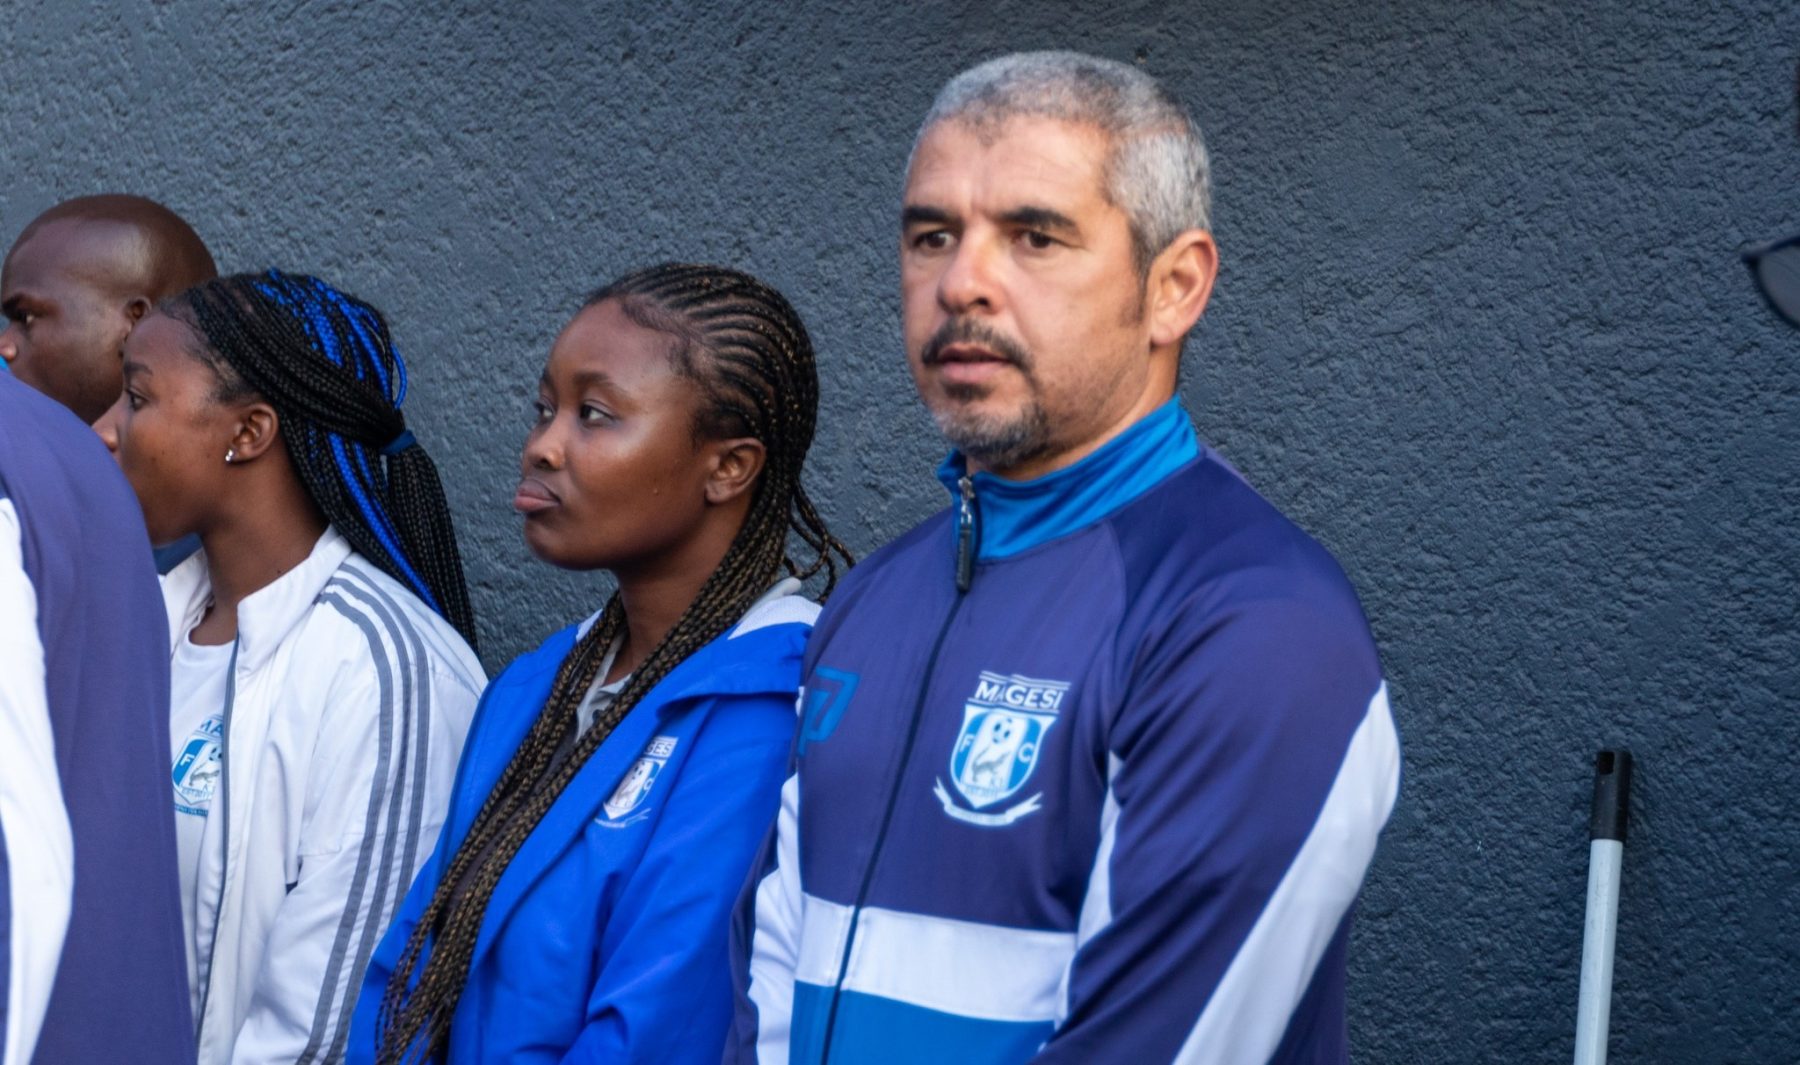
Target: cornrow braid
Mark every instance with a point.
(745, 348)
(325, 362)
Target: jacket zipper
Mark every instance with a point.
(221, 802)
(968, 543)
(968, 533)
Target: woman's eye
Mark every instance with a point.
(541, 413)
(133, 400)
(592, 415)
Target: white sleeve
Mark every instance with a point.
(778, 910)
(376, 796)
(40, 854)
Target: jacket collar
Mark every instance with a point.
(760, 656)
(266, 616)
(1016, 516)
(726, 665)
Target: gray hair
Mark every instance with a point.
(1157, 171)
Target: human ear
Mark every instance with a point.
(258, 430)
(1181, 280)
(737, 463)
(136, 308)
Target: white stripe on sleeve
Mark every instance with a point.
(774, 949)
(1249, 1011)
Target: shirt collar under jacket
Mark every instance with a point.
(722, 667)
(1019, 515)
(266, 616)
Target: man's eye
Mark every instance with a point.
(1038, 241)
(133, 400)
(934, 240)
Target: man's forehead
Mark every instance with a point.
(70, 250)
(1024, 154)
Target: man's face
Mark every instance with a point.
(1022, 309)
(65, 327)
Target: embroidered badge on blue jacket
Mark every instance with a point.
(635, 786)
(1004, 725)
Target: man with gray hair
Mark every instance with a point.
(1092, 763)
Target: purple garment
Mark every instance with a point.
(122, 982)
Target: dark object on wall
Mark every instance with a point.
(1776, 267)
(1606, 853)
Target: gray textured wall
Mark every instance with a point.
(1481, 329)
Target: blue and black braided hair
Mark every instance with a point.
(323, 359)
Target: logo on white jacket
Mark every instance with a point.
(1004, 726)
(635, 786)
(196, 770)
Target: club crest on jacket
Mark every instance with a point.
(196, 770)
(635, 786)
(1004, 725)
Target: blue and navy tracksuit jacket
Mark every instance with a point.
(606, 939)
(1090, 770)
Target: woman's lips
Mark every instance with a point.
(534, 497)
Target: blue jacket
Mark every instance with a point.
(122, 978)
(1089, 771)
(606, 939)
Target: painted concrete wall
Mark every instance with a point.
(1481, 328)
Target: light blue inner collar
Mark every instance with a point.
(1019, 515)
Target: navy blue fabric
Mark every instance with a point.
(1211, 650)
(122, 981)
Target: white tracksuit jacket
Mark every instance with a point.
(345, 718)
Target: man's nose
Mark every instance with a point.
(9, 342)
(967, 283)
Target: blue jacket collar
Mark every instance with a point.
(761, 656)
(1019, 515)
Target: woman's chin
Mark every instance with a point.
(550, 546)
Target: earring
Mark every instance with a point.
(230, 455)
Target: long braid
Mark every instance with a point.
(746, 349)
(325, 362)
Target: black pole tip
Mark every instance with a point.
(1612, 794)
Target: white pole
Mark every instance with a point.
(1606, 856)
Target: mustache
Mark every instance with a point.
(969, 331)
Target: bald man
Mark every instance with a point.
(76, 281)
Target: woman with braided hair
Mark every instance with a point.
(322, 678)
(619, 779)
